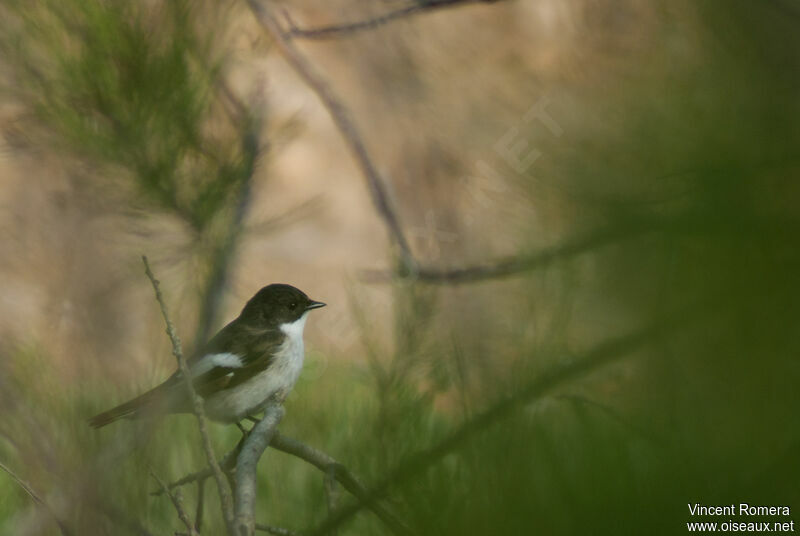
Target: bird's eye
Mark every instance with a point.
(293, 305)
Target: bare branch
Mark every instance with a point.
(517, 265)
(601, 355)
(227, 464)
(512, 265)
(277, 531)
(256, 442)
(317, 458)
(239, 110)
(349, 28)
(328, 465)
(197, 403)
(201, 496)
(178, 504)
(341, 118)
(36, 498)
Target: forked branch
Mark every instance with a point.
(341, 118)
(256, 442)
(197, 403)
(177, 502)
(320, 460)
(350, 482)
(516, 265)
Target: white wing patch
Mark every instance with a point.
(210, 361)
(251, 395)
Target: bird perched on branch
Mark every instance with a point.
(251, 361)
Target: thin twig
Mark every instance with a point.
(350, 482)
(345, 29)
(601, 355)
(277, 531)
(227, 464)
(36, 498)
(341, 118)
(201, 496)
(197, 403)
(178, 504)
(322, 461)
(256, 442)
(513, 265)
(239, 109)
(522, 263)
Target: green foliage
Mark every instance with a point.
(132, 86)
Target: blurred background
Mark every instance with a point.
(622, 174)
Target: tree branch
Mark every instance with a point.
(197, 403)
(513, 265)
(318, 459)
(601, 355)
(256, 442)
(341, 118)
(349, 28)
(277, 531)
(36, 498)
(200, 509)
(227, 464)
(178, 504)
(350, 482)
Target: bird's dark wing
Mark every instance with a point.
(249, 350)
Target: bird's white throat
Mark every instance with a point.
(294, 330)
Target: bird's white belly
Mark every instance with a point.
(252, 395)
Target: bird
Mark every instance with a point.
(253, 360)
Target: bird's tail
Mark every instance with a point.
(128, 410)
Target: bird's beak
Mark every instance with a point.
(315, 305)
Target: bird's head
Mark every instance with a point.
(279, 306)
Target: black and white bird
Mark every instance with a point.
(254, 359)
